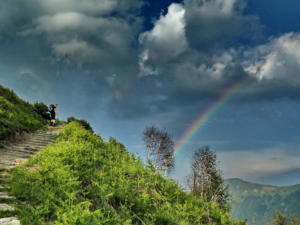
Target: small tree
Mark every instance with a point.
(160, 148)
(41, 109)
(206, 179)
(280, 219)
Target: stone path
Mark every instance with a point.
(13, 155)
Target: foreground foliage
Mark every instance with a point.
(81, 179)
(16, 116)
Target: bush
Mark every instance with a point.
(81, 179)
(16, 115)
(83, 123)
(42, 109)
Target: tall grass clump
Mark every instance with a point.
(16, 115)
(81, 179)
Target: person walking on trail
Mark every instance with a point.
(52, 110)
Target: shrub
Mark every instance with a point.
(42, 109)
(16, 115)
(83, 123)
(81, 179)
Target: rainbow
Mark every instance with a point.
(200, 121)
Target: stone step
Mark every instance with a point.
(2, 164)
(27, 148)
(4, 174)
(11, 158)
(43, 136)
(17, 153)
(34, 146)
(4, 195)
(6, 208)
(10, 221)
(25, 151)
(40, 139)
(6, 160)
(11, 162)
(11, 148)
(37, 142)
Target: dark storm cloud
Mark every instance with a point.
(176, 49)
(55, 49)
(97, 50)
(212, 23)
(82, 31)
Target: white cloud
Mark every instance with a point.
(64, 22)
(254, 164)
(247, 164)
(168, 32)
(77, 50)
(211, 8)
(278, 59)
(182, 44)
(166, 40)
(84, 39)
(99, 7)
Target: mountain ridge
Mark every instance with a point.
(257, 203)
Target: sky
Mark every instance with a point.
(127, 64)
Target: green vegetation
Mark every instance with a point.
(206, 179)
(41, 109)
(281, 219)
(83, 123)
(258, 203)
(16, 116)
(81, 179)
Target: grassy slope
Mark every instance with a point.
(16, 115)
(257, 203)
(81, 179)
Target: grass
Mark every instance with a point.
(16, 115)
(81, 179)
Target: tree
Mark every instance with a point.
(206, 179)
(41, 109)
(280, 219)
(160, 148)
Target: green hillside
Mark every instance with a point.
(81, 179)
(257, 203)
(16, 115)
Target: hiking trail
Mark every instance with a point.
(14, 154)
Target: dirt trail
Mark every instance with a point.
(13, 155)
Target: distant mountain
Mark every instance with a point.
(257, 203)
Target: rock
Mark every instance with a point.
(6, 207)
(10, 221)
(4, 195)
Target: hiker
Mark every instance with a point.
(52, 110)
